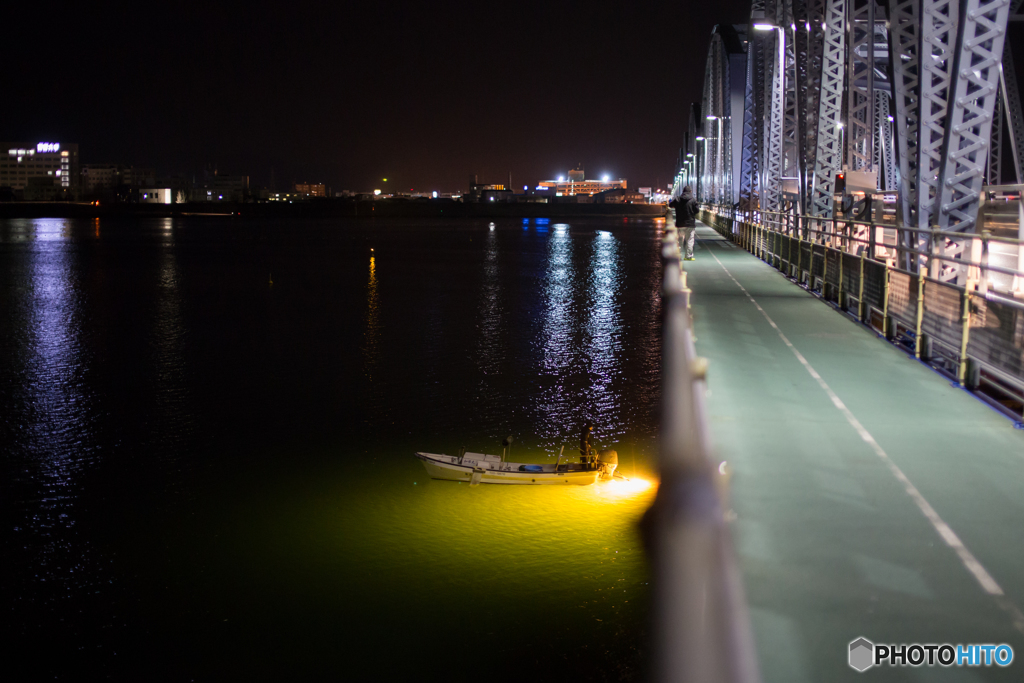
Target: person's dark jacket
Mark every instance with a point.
(686, 210)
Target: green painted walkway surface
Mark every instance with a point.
(831, 544)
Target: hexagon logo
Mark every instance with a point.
(862, 654)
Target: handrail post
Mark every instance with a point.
(920, 316)
(839, 296)
(795, 227)
(800, 256)
(965, 331)
(860, 288)
(885, 304)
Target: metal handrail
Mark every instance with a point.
(977, 283)
(936, 336)
(701, 624)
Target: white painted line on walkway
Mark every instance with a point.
(988, 584)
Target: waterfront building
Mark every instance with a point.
(100, 179)
(40, 171)
(575, 183)
(488, 192)
(619, 195)
(311, 189)
(156, 195)
(223, 188)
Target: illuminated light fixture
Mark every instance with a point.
(839, 124)
(376, 192)
(700, 137)
(605, 179)
(385, 180)
(434, 194)
(763, 27)
(561, 178)
(689, 154)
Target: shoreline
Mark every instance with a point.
(330, 208)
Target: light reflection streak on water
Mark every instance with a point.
(489, 349)
(556, 415)
(604, 329)
(173, 420)
(58, 417)
(371, 344)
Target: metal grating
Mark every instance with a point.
(942, 311)
(903, 297)
(997, 336)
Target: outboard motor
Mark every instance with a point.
(607, 461)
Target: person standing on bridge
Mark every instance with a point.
(686, 219)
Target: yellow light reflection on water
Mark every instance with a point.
(627, 487)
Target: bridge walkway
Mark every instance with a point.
(872, 498)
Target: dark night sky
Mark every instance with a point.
(424, 94)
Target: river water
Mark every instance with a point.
(207, 437)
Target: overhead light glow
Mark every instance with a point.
(763, 27)
(606, 179)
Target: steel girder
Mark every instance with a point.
(884, 152)
(791, 128)
(1011, 103)
(939, 20)
(994, 171)
(775, 101)
(809, 41)
(828, 158)
(860, 86)
(748, 161)
(904, 61)
(977, 67)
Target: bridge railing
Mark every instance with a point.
(955, 300)
(701, 625)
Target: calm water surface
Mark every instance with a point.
(207, 476)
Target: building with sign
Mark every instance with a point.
(575, 184)
(40, 171)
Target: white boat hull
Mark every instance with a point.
(452, 468)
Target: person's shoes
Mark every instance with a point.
(689, 258)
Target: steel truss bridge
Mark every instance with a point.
(904, 104)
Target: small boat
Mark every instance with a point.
(481, 468)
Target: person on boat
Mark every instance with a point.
(686, 219)
(585, 449)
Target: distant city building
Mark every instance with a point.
(158, 195)
(98, 179)
(619, 195)
(222, 188)
(576, 184)
(311, 189)
(117, 181)
(40, 171)
(487, 192)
